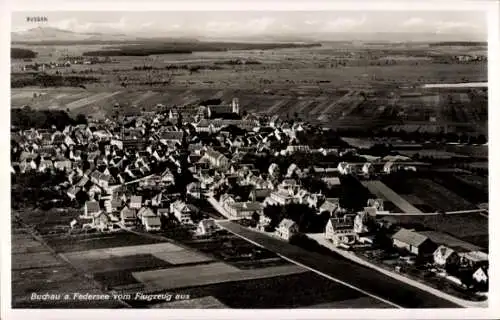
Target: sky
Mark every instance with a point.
(248, 23)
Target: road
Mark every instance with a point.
(351, 274)
(480, 211)
(130, 182)
(379, 189)
(320, 238)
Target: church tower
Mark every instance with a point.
(236, 106)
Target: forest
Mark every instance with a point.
(26, 118)
(19, 53)
(146, 49)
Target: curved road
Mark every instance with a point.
(363, 278)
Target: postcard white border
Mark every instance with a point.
(93, 5)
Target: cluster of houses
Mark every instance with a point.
(444, 252)
(151, 150)
(118, 211)
(376, 166)
(469, 58)
(65, 62)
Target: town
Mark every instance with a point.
(199, 171)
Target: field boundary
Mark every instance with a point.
(319, 272)
(351, 256)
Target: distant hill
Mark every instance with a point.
(49, 34)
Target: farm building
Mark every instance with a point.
(413, 242)
(473, 259)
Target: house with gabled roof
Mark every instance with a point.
(72, 192)
(207, 227)
(376, 203)
(91, 208)
(340, 230)
(45, 165)
(27, 164)
(181, 211)
(413, 242)
(62, 164)
(128, 217)
(94, 191)
(194, 189)
(101, 221)
(315, 200)
(473, 259)
(106, 180)
(481, 275)
(95, 176)
(280, 197)
(444, 256)
(151, 223)
(166, 136)
(259, 194)
(287, 228)
(330, 205)
(167, 177)
(244, 209)
(135, 202)
(145, 212)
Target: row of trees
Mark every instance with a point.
(47, 80)
(27, 191)
(19, 53)
(27, 118)
(306, 218)
(153, 48)
(414, 136)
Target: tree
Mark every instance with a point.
(255, 219)
(481, 139)
(81, 119)
(274, 212)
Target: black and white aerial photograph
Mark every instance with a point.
(249, 159)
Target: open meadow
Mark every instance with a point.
(337, 84)
(36, 269)
(469, 227)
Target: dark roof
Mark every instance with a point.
(221, 109)
(410, 237)
(342, 223)
(287, 223)
(116, 203)
(261, 193)
(92, 206)
(128, 213)
(171, 135)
